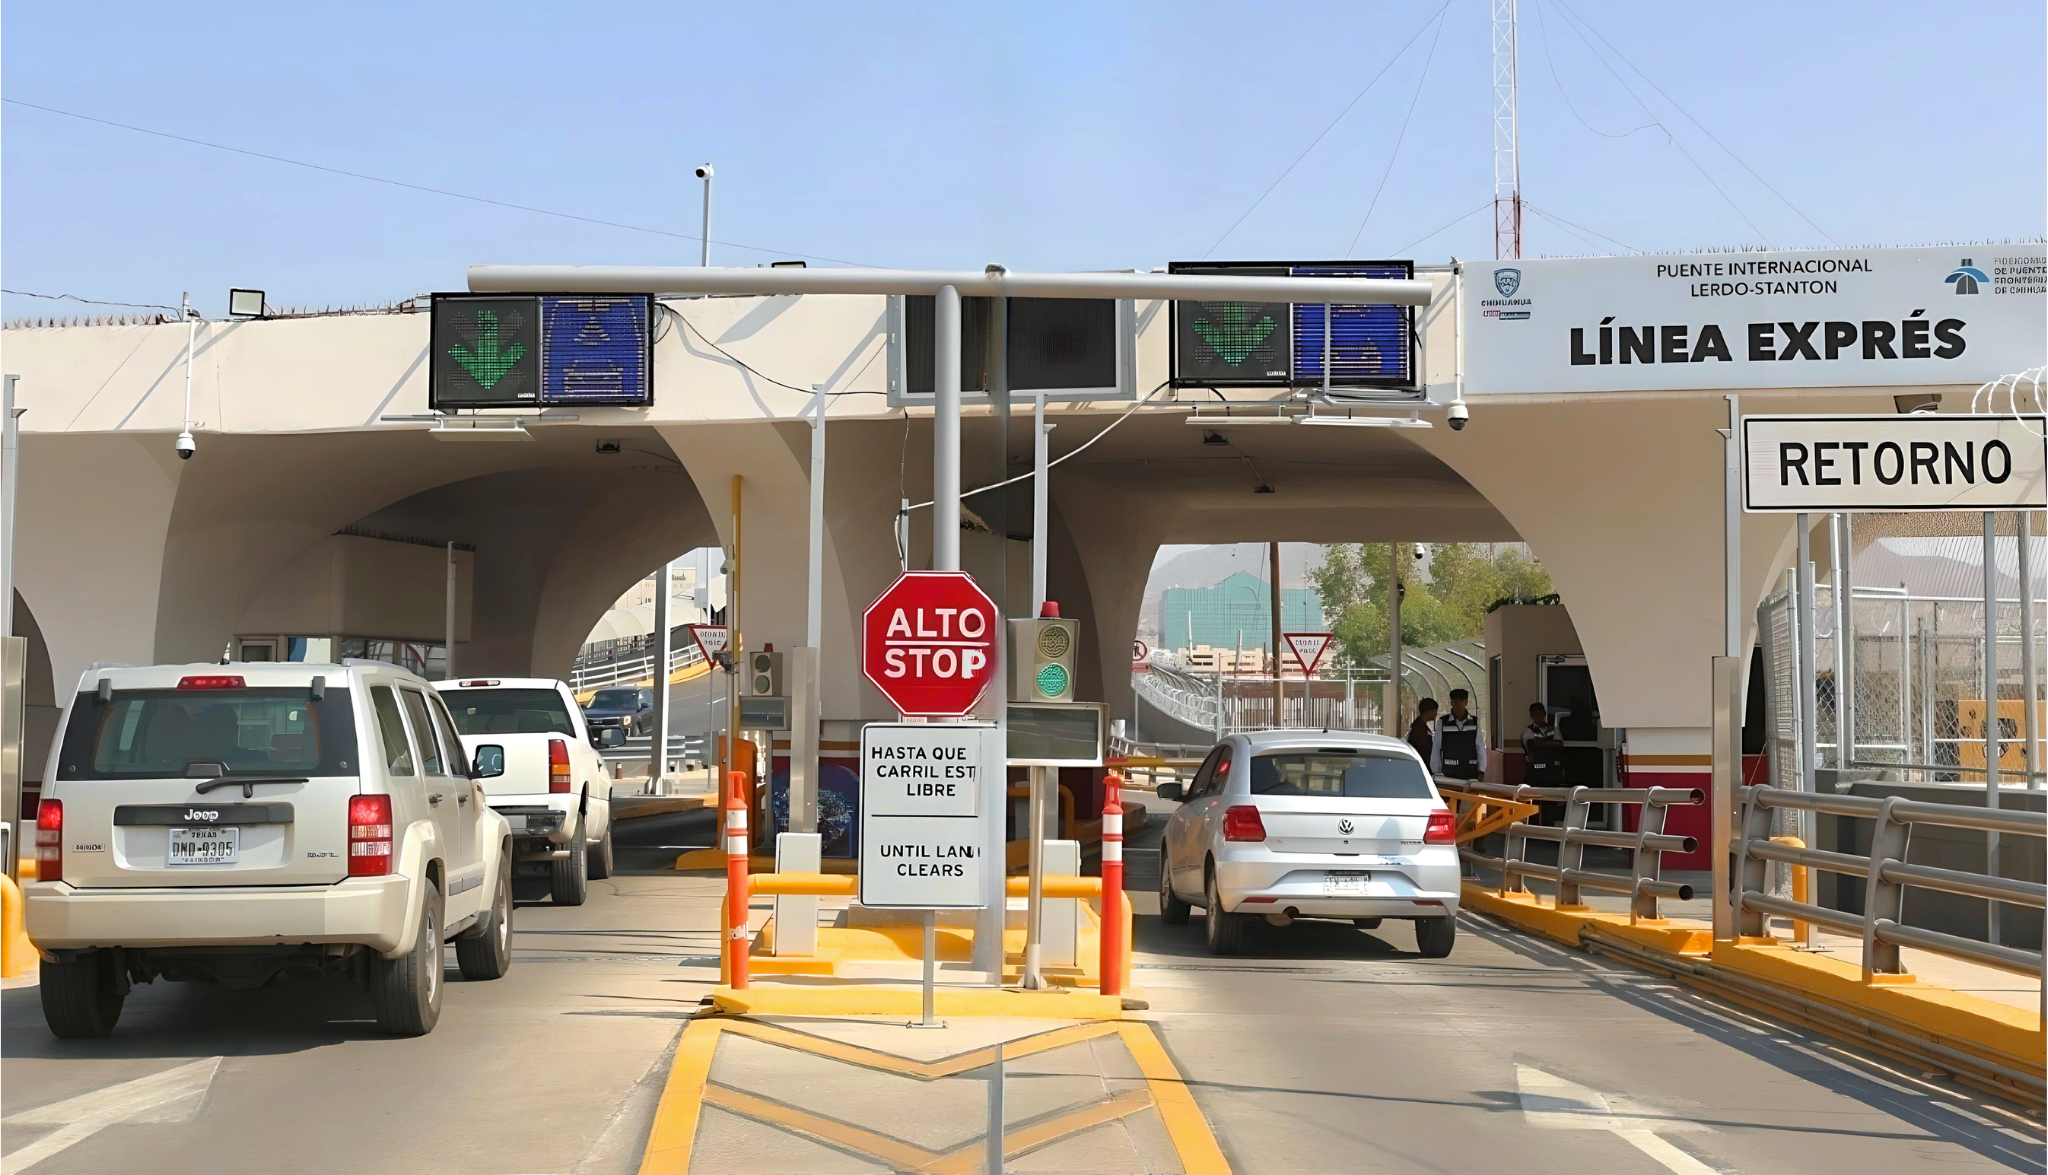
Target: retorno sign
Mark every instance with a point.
(1736, 321)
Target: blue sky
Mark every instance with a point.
(1054, 134)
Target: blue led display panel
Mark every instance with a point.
(1369, 345)
(596, 349)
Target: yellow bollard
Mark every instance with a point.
(1802, 932)
(17, 953)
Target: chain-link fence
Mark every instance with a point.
(1914, 655)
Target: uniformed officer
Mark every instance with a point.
(1460, 749)
(1542, 750)
(1420, 736)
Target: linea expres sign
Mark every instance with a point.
(1738, 321)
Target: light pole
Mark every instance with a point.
(704, 253)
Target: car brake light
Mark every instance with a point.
(1442, 828)
(50, 840)
(481, 682)
(211, 681)
(558, 765)
(1243, 823)
(369, 836)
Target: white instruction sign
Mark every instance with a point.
(923, 844)
(1935, 461)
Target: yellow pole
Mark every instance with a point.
(1802, 932)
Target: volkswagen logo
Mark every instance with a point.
(1344, 826)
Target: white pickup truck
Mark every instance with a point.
(553, 789)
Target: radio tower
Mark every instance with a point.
(1507, 167)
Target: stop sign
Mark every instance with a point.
(929, 643)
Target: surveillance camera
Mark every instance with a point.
(186, 445)
(1457, 416)
(1419, 552)
(703, 171)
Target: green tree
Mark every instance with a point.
(1464, 584)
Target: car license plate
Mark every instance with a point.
(1342, 884)
(205, 846)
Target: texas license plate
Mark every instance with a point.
(1337, 884)
(205, 846)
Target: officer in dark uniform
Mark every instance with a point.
(1542, 750)
(1460, 746)
(1420, 736)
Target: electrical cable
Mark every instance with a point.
(378, 179)
(1588, 242)
(758, 374)
(90, 301)
(1703, 126)
(1355, 99)
(1572, 224)
(1403, 135)
(1669, 137)
(1076, 451)
(1559, 82)
(1462, 219)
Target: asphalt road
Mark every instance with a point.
(1324, 1049)
(554, 1068)
(1329, 1048)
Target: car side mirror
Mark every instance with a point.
(610, 736)
(1170, 791)
(490, 762)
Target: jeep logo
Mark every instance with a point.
(202, 814)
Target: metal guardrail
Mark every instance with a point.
(1643, 883)
(632, 669)
(638, 749)
(1886, 873)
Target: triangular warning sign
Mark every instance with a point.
(1308, 648)
(712, 639)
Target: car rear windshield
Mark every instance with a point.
(508, 711)
(161, 733)
(1353, 775)
(614, 697)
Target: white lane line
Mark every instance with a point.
(169, 1096)
(1551, 1102)
(1669, 1157)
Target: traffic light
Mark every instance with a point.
(764, 673)
(1042, 655)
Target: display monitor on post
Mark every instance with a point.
(541, 350)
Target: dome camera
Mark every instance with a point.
(186, 446)
(1458, 416)
(1420, 554)
(703, 171)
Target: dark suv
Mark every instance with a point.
(622, 706)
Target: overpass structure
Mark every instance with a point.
(282, 523)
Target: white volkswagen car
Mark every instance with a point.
(1311, 824)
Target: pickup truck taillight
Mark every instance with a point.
(50, 840)
(1243, 823)
(369, 836)
(1442, 828)
(558, 765)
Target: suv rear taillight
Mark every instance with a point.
(1243, 823)
(1442, 828)
(558, 765)
(369, 836)
(212, 681)
(50, 840)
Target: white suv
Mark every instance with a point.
(1311, 824)
(237, 822)
(553, 786)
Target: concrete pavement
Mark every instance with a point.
(555, 1068)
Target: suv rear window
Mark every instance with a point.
(1360, 776)
(508, 711)
(158, 733)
